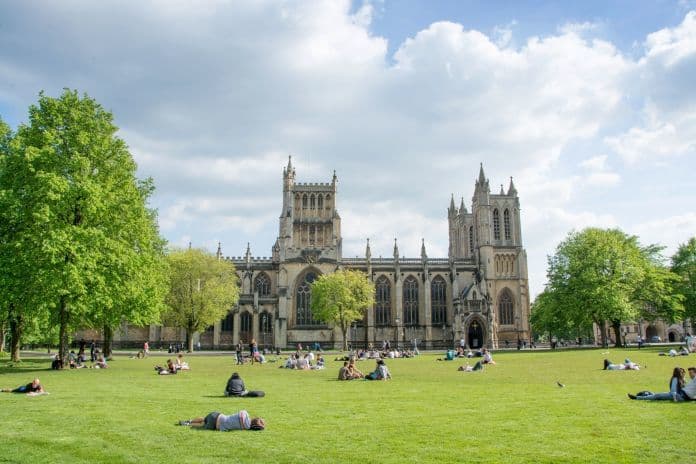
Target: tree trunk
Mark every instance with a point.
(3, 336)
(189, 339)
(64, 319)
(616, 325)
(16, 326)
(344, 330)
(603, 333)
(108, 341)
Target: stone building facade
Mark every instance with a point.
(479, 292)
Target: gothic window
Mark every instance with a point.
(228, 323)
(383, 301)
(438, 301)
(312, 202)
(245, 321)
(505, 308)
(303, 299)
(320, 202)
(312, 234)
(262, 284)
(265, 323)
(496, 225)
(471, 239)
(506, 223)
(304, 201)
(410, 301)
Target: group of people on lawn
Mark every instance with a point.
(350, 372)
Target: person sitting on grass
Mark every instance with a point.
(170, 369)
(57, 363)
(381, 372)
(33, 388)
(477, 367)
(180, 364)
(235, 387)
(101, 363)
(353, 371)
(676, 385)
(344, 373)
(487, 357)
(223, 422)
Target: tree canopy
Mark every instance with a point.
(79, 243)
(599, 276)
(341, 298)
(684, 265)
(203, 289)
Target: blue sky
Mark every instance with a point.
(589, 105)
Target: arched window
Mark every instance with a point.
(304, 201)
(382, 301)
(265, 323)
(506, 224)
(245, 322)
(303, 299)
(312, 235)
(496, 225)
(471, 239)
(410, 301)
(505, 308)
(262, 284)
(312, 202)
(320, 202)
(228, 323)
(438, 301)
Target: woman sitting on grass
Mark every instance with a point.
(101, 363)
(223, 423)
(676, 392)
(34, 388)
(235, 387)
(181, 365)
(170, 369)
(381, 372)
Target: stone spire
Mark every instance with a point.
(512, 191)
(289, 168)
(247, 256)
(189, 245)
(424, 255)
(462, 207)
(219, 252)
(502, 192)
(482, 176)
(396, 251)
(368, 253)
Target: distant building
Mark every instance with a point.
(479, 292)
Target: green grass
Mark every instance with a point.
(513, 412)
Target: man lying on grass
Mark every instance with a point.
(223, 423)
(34, 388)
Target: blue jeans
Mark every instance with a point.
(661, 397)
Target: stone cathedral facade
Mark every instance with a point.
(478, 293)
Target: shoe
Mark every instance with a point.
(633, 397)
(185, 422)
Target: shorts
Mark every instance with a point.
(210, 421)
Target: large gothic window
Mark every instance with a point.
(312, 202)
(506, 308)
(496, 224)
(262, 284)
(265, 323)
(438, 301)
(410, 301)
(506, 224)
(245, 322)
(304, 201)
(383, 301)
(227, 323)
(320, 202)
(471, 240)
(303, 299)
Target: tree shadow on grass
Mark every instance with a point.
(25, 365)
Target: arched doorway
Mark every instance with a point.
(266, 330)
(475, 334)
(650, 332)
(672, 337)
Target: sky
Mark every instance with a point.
(590, 106)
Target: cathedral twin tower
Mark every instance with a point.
(479, 293)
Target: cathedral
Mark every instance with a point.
(479, 293)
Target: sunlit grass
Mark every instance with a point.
(429, 412)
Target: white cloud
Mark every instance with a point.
(650, 143)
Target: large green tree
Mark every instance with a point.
(202, 289)
(605, 276)
(684, 265)
(341, 298)
(84, 240)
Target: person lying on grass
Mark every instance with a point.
(34, 388)
(223, 422)
(676, 385)
(235, 387)
(477, 367)
(627, 365)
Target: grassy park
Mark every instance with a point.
(512, 412)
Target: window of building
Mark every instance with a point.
(496, 224)
(320, 202)
(312, 202)
(303, 299)
(228, 323)
(383, 301)
(438, 301)
(262, 284)
(506, 314)
(410, 301)
(506, 224)
(304, 201)
(245, 321)
(265, 323)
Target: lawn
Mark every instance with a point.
(512, 412)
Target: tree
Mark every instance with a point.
(341, 298)
(546, 319)
(684, 265)
(602, 276)
(202, 290)
(81, 232)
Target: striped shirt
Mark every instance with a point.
(239, 421)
